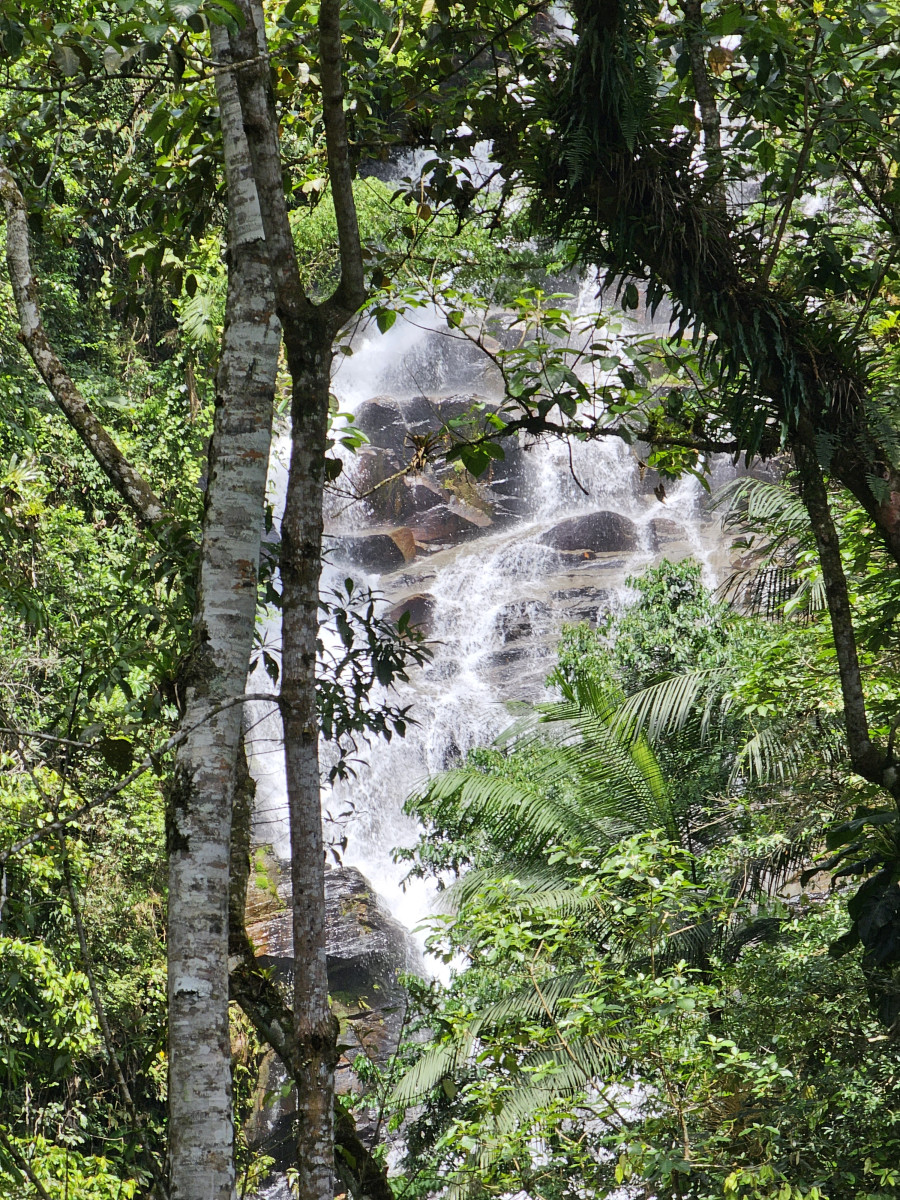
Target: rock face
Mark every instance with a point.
(663, 531)
(597, 533)
(367, 951)
(443, 526)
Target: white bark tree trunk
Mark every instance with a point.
(201, 1132)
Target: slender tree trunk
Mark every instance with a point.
(315, 1027)
(201, 1132)
(868, 760)
(706, 100)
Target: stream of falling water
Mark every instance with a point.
(498, 603)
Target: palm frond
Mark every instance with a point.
(666, 707)
(749, 501)
(437, 1063)
(587, 781)
(543, 890)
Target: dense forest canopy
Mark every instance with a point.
(672, 925)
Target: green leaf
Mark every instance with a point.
(374, 13)
(385, 318)
(67, 60)
(181, 10)
(156, 126)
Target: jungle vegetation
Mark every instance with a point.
(191, 226)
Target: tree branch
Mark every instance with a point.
(351, 292)
(149, 763)
(23, 1165)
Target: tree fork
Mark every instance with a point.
(309, 332)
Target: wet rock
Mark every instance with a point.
(269, 1129)
(585, 603)
(423, 414)
(378, 552)
(421, 494)
(420, 608)
(382, 422)
(402, 498)
(597, 533)
(388, 422)
(443, 525)
(404, 539)
(372, 467)
(522, 620)
(393, 426)
(663, 530)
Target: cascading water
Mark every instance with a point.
(494, 579)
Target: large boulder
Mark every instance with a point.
(375, 552)
(444, 526)
(597, 533)
(367, 950)
(381, 420)
(394, 427)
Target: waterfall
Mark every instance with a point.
(492, 577)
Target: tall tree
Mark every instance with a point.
(776, 246)
(309, 332)
(201, 1137)
(212, 682)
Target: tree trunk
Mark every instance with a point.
(868, 760)
(200, 1106)
(315, 1027)
(309, 332)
